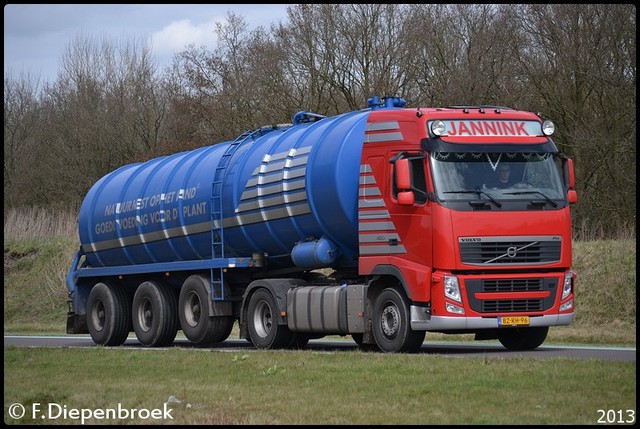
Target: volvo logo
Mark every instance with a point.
(512, 252)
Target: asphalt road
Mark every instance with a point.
(480, 349)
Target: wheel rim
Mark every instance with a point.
(390, 320)
(98, 315)
(192, 309)
(262, 319)
(145, 315)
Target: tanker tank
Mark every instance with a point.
(263, 193)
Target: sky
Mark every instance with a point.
(37, 35)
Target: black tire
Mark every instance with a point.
(523, 338)
(155, 314)
(108, 314)
(193, 310)
(392, 324)
(262, 323)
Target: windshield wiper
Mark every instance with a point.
(549, 200)
(477, 192)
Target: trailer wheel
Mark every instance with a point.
(108, 314)
(154, 314)
(523, 338)
(195, 322)
(262, 322)
(391, 324)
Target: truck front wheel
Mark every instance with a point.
(391, 324)
(262, 322)
(523, 338)
(108, 314)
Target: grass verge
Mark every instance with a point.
(304, 387)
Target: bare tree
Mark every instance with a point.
(104, 110)
(579, 63)
(22, 122)
(229, 89)
(309, 42)
(460, 54)
(341, 55)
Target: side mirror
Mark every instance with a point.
(570, 176)
(406, 198)
(403, 182)
(403, 174)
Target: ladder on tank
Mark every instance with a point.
(217, 217)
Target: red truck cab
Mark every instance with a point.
(475, 252)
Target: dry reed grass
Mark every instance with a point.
(36, 222)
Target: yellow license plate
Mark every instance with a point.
(513, 321)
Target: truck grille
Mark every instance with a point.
(512, 285)
(497, 251)
(513, 303)
(506, 306)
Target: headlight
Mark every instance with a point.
(451, 288)
(438, 128)
(566, 306)
(567, 287)
(451, 308)
(548, 128)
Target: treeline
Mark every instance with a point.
(111, 104)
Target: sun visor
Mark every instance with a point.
(437, 144)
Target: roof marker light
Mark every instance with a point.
(548, 128)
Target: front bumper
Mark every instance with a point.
(422, 321)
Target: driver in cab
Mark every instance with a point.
(504, 173)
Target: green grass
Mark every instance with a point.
(35, 292)
(305, 387)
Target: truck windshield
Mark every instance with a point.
(499, 175)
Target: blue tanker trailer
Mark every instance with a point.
(236, 231)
